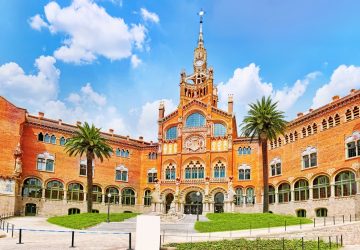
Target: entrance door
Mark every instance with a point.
(193, 203)
(219, 203)
(30, 209)
(169, 198)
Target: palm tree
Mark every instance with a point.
(88, 141)
(264, 122)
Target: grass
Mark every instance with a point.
(237, 221)
(85, 220)
(243, 244)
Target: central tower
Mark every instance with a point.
(199, 85)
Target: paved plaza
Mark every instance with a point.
(108, 235)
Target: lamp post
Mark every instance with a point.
(198, 204)
(108, 215)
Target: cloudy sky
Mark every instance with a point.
(110, 62)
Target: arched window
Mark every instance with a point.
(75, 192)
(240, 151)
(250, 198)
(32, 188)
(271, 194)
(53, 139)
(152, 156)
(114, 198)
(195, 120)
(121, 173)
(123, 153)
(284, 193)
(324, 124)
(337, 120)
(301, 190)
(118, 152)
(279, 141)
(152, 175)
(147, 198)
(97, 194)
(353, 145)
(54, 190)
(301, 213)
(219, 129)
(348, 115)
(275, 167)
(314, 128)
(45, 162)
(194, 170)
(309, 157)
(304, 132)
(356, 112)
(170, 172)
(321, 187)
(309, 130)
(47, 138)
(321, 212)
(73, 211)
(62, 141)
(286, 139)
(331, 122)
(244, 172)
(40, 137)
(345, 184)
(128, 197)
(295, 135)
(171, 133)
(219, 170)
(239, 196)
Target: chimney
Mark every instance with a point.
(111, 131)
(352, 91)
(230, 104)
(335, 98)
(128, 137)
(141, 138)
(311, 110)
(161, 110)
(78, 123)
(41, 115)
(151, 142)
(300, 114)
(60, 121)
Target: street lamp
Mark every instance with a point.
(108, 215)
(197, 210)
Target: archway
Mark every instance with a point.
(219, 202)
(168, 199)
(193, 203)
(30, 209)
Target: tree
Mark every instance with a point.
(88, 141)
(264, 122)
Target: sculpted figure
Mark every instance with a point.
(18, 163)
(155, 195)
(231, 191)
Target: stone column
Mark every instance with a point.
(332, 188)
(43, 193)
(85, 194)
(103, 199)
(65, 196)
(358, 185)
(311, 193)
(276, 198)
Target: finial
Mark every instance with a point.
(201, 13)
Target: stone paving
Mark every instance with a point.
(103, 236)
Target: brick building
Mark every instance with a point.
(199, 163)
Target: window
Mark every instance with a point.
(309, 157)
(171, 133)
(219, 129)
(321, 212)
(40, 137)
(118, 152)
(170, 172)
(152, 175)
(240, 151)
(345, 184)
(301, 190)
(53, 139)
(152, 156)
(356, 112)
(45, 162)
(324, 124)
(121, 173)
(147, 198)
(32, 188)
(291, 137)
(314, 128)
(279, 141)
(250, 198)
(54, 190)
(309, 130)
(321, 187)
(348, 115)
(244, 172)
(114, 198)
(286, 139)
(194, 170)
(83, 168)
(275, 167)
(75, 192)
(296, 135)
(97, 194)
(128, 197)
(353, 145)
(47, 138)
(219, 170)
(62, 141)
(337, 120)
(73, 211)
(271, 195)
(331, 122)
(301, 213)
(284, 193)
(304, 132)
(195, 120)
(239, 196)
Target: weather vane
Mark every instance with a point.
(201, 13)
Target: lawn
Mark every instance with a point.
(238, 221)
(243, 244)
(85, 220)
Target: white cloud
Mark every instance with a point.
(342, 80)
(91, 32)
(147, 125)
(30, 90)
(149, 16)
(37, 23)
(93, 96)
(247, 86)
(135, 61)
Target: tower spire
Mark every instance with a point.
(201, 13)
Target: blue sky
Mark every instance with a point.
(111, 62)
